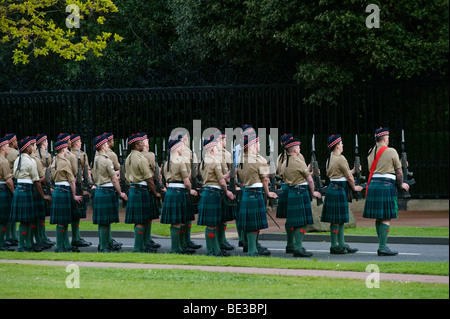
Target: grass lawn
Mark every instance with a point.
(49, 282)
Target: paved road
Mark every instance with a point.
(320, 250)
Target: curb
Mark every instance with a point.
(308, 238)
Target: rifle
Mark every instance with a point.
(124, 184)
(157, 180)
(195, 183)
(273, 202)
(358, 176)
(87, 183)
(406, 172)
(48, 181)
(232, 185)
(78, 183)
(318, 183)
(164, 161)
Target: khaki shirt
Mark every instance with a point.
(73, 160)
(28, 168)
(83, 158)
(40, 168)
(280, 162)
(212, 170)
(338, 167)
(113, 157)
(61, 170)
(5, 170)
(43, 158)
(388, 163)
(13, 154)
(150, 157)
(253, 169)
(228, 160)
(178, 170)
(296, 172)
(103, 169)
(137, 168)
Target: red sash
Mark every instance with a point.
(374, 165)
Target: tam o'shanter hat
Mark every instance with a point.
(4, 141)
(292, 141)
(250, 140)
(210, 142)
(175, 143)
(40, 138)
(333, 140)
(25, 142)
(11, 137)
(60, 144)
(133, 138)
(63, 137)
(100, 140)
(285, 138)
(74, 138)
(382, 131)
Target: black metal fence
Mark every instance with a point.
(420, 108)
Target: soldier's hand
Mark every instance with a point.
(230, 195)
(78, 198)
(194, 192)
(405, 187)
(158, 195)
(124, 196)
(317, 194)
(48, 198)
(272, 195)
(358, 188)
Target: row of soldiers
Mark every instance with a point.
(209, 189)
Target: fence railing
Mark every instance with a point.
(420, 108)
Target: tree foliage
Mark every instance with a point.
(38, 27)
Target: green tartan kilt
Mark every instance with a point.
(5, 204)
(335, 205)
(174, 208)
(299, 212)
(191, 209)
(252, 210)
(155, 212)
(22, 206)
(210, 207)
(61, 207)
(381, 200)
(105, 206)
(138, 206)
(39, 205)
(228, 212)
(78, 210)
(282, 202)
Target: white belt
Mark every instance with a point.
(256, 185)
(108, 185)
(62, 183)
(341, 179)
(143, 183)
(302, 184)
(213, 186)
(391, 176)
(1, 183)
(177, 185)
(24, 181)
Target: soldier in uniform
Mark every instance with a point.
(299, 213)
(174, 210)
(105, 200)
(138, 209)
(210, 207)
(39, 206)
(229, 212)
(6, 192)
(335, 207)
(78, 211)
(155, 212)
(192, 208)
(381, 196)
(113, 156)
(253, 171)
(64, 192)
(11, 228)
(22, 209)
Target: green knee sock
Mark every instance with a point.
(67, 243)
(146, 235)
(384, 232)
(2, 234)
(188, 232)
(103, 234)
(23, 234)
(175, 243)
(138, 239)
(150, 232)
(289, 236)
(183, 231)
(334, 233)
(59, 237)
(252, 238)
(299, 233)
(221, 234)
(377, 228)
(341, 236)
(76, 230)
(209, 237)
(217, 240)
